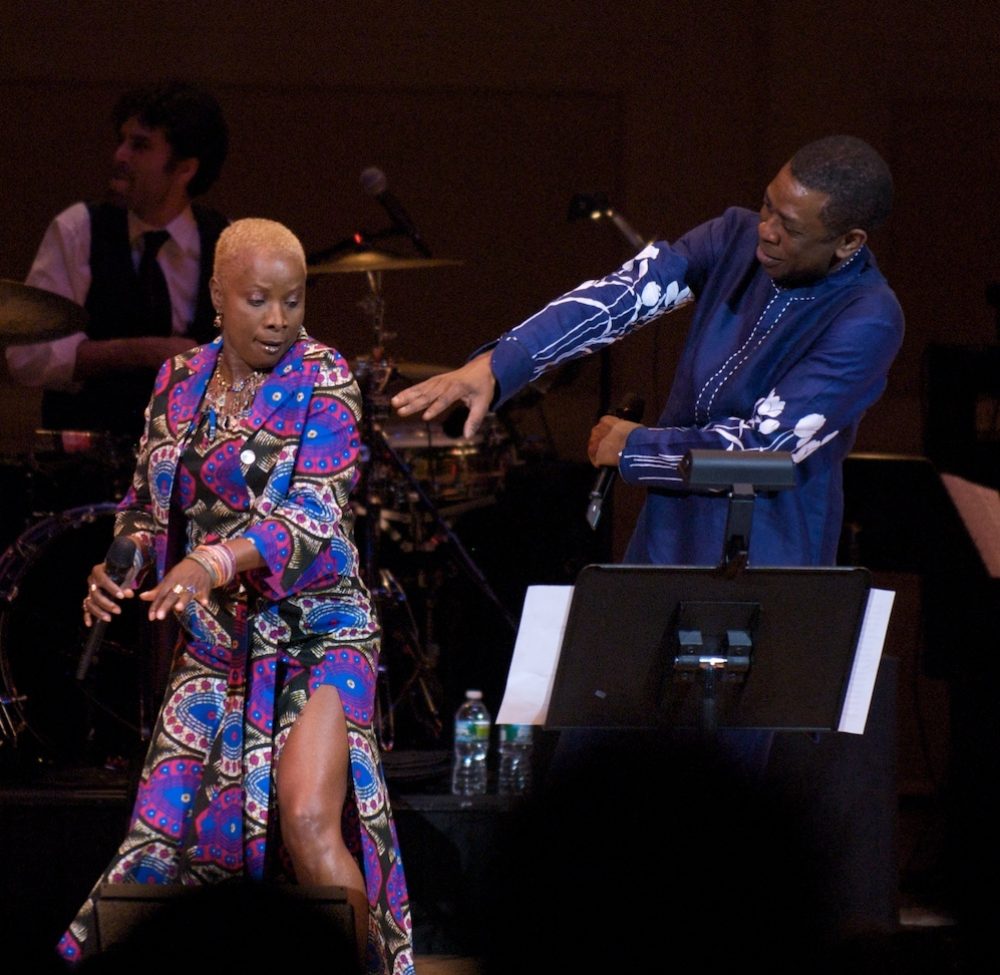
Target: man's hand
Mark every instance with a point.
(607, 440)
(473, 384)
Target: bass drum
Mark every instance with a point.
(47, 715)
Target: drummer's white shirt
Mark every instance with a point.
(62, 265)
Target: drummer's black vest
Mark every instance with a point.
(115, 404)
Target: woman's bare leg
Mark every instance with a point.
(312, 779)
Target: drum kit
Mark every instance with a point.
(417, 479)
(58, 507)
(56, 520)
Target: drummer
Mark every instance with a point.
(172, 142)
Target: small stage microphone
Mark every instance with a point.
(632, 409)
(373, 182)
(118, 564)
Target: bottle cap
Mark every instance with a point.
(475, 695)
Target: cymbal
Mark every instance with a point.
(30, 314)
(377, 261)
(418, 371)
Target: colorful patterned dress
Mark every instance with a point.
(245, 665)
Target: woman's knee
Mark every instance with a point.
(313, 769)
(307, 820)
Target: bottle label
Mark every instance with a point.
(472, 730)
(519, 734)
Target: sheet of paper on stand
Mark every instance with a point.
(536, 654)
(861, 683)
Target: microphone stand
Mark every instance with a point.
(595, 206)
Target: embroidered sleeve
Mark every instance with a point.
(595, 314)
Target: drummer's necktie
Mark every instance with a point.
(154, 284)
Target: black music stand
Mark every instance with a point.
(649, 647)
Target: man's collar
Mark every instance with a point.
(183, 230)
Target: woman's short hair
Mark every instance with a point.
(256, 234)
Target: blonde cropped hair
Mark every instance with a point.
(255, 233)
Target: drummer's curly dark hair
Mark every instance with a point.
(191, 120)
(854, 175)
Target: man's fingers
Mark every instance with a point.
(405, 403)
(477, 413)
(424, 396)
(432, 397)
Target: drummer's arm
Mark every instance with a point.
(48, 365)
(61, 266)
(102, 357)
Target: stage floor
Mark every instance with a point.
(59, 826)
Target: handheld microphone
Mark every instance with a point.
(118, 564)
(373, 182)
(632, 409)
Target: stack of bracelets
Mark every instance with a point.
(217, 560)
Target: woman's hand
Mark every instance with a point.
(103, 595)
(186, 581)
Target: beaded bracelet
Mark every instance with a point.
(227, 557)
(218, 560)
(213, 576)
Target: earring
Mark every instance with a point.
(217, 322)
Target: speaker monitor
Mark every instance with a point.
(127, 910)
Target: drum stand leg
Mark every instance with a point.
(11, 723)
(389, 590)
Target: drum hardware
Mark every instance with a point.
(45, 714)
(383, 469)
(437, 518)
(402, 641)
(372, 513)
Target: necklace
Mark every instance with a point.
(253, 379)
(229, 403)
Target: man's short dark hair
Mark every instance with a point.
(191, 120)
(855, 177)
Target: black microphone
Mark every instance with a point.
(374, 184)
(118, 564)
(632, 409)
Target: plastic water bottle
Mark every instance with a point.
(472, 746)
(516, 746)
